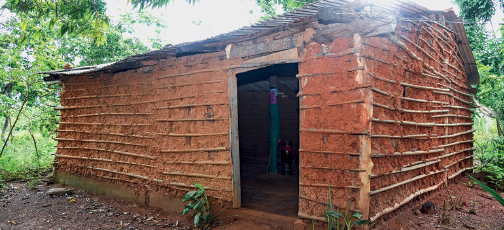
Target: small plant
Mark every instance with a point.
(491, 191)
(471, 184)
(455, 204)
(333, 217)
(445, 218)
(2, 189)
(33, 183)
(475, 204)
(199, 202)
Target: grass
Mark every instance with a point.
(19, 160)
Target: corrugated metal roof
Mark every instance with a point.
(79, 70)
(220, 41)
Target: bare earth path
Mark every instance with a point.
(24, 208)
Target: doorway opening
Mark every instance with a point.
(273, 193)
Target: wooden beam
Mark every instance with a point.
(234, 139)
(291, 94)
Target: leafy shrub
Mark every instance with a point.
(490, 154)
(199, 202)
(347, 222)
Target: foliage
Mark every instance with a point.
(333, 217)
(268, 7)
(476, 204)
(445, 218)
(490, 154)
(78, 17)
(142, 4)
(200, 205)
(455, 204)
(20, 62)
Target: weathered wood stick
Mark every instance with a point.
(409, 198)
(382, 92)
(423, 87)
(461, 171)
(454, 107)
(329, 168)
(197, 175)
(79, 123)
(105, 114)
(310, 107)
(101, 159)
(457, 134)
(405, 169)
(347, 102)
(456, 162)
(112, 151)
(422, 100)
(117, 172)
(451, 115)
(404, 182)
(382, 79)
(329, 152)
(195, 150)
(327, 186)
(192, 105)
(195, 119)
(192, 134)
(432, 124)
(413, 153)
(193, 186)
(316, 218)
(342, 89)
(456, 124)
(199, 162)
(456, 143)
(453, 89)
(454, 97)
(420, 48)
(333, 131)
(189, 84)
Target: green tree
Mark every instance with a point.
(487, 49)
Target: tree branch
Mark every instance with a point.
(487, 111)
(17, 118)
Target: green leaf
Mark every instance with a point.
(200, 192)
(191, 193)
(199, 186)
(489, 190)
(357, 215)
(23, 26)
(361, 222)
(335, 214)
(199, 204)
(197, 219)
(185, 211)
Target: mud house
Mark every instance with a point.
(375, 98)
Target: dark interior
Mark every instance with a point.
(263, 191)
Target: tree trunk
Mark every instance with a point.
(5, 127)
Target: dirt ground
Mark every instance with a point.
(24, 208)
(489, 213)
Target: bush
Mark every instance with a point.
(490, 155)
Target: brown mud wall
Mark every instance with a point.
(420, 99)
(254, 121)
(333, 118)
(158, 128)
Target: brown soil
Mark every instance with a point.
(489, 214)
(24, 208)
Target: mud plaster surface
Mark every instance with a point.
(400, 67)
(144, 92)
